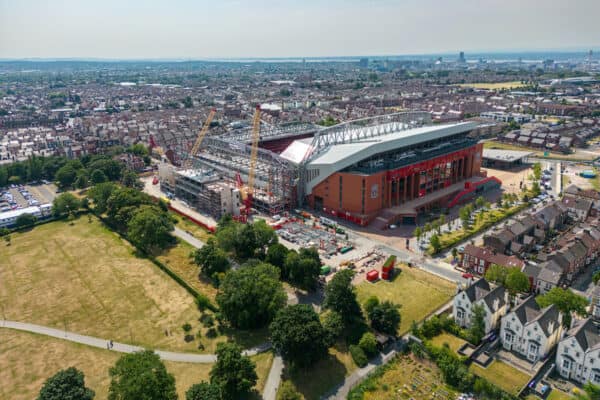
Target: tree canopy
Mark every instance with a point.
(67, 384)
(211, 259)
(141, 375)
(251, 296)
(65, 203)
(150, 227)
(233, 373)
(25, 220)
(477, 330)
(297, 334)
(203, 391)
(385, 317)
(341, 297)
(566, 301)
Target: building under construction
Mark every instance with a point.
(389, 167)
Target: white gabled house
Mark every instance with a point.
(578, 353)
(531, 331)
(493, 299)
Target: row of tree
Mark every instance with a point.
(143, 375)
(78, 173)
(145, 221)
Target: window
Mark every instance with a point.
(596, 378)
(508, 337)
(460, 314)
(566, 364)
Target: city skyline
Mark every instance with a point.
(268, 29)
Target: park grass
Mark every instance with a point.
(556, 394)
(504, 376)
(178, 259)
(418, 292)
(29, 359)
(454, 342)
(494, 85)
(192, 228)
(84, 278)
(323, 376)
(406, 377)
(539, 153)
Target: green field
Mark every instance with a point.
(29, 359)
(453, 342)
(84, 278)
(502, 375)
(418, 292)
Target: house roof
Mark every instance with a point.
(478, 290)
(492, 256)
(586, 334)
(551, 272)
(548, 319)
(528, 310)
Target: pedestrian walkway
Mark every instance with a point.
(121, 347)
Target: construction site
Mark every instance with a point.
(396, 165)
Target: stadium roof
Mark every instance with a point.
(505, 155)
(339, 156)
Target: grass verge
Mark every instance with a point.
(504, 376)
(418, 292)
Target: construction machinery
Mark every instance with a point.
(248, 191)
(196, 147)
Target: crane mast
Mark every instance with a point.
(188, 161)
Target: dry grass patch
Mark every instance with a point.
(494, 85)
(178, 259)
(84, 278)
(418, 292)
(29, 359)
(193, 229)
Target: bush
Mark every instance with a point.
(207, 320)
(368, 343)
(203, 303)
(186, 327)
(358, 355)
(212, 333)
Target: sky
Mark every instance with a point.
(134, 29)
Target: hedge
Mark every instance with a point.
(358, 355)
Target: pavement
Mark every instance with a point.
(274, 379)
(183, 235)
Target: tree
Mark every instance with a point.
(566, 301)
(287, 391)
(477, 330)
(66, 176)
(479, 202)
(454, 253)
(535, 188)
(537, 171)
(98, 176)
(130, 179)
(596, 277)
(302, 269)
(341, 298)
(516, 281)
(64, 204)
(66, 384)
(371, 303)
(203, 391)
(297, 334)
(333, 324)
(435, 243)
(141, 375)
(250, 297)
(276, 255)
(211, 259)
(265, 236)
(25, 221)
(368, 343)
(100, 194)
(233, 373)
(496, 273)
(150, 227)
(385, 318)
(418, 233)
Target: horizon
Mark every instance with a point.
(269, 29)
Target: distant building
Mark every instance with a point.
(461, 57)
(363, 62)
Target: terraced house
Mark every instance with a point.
(493, 299)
